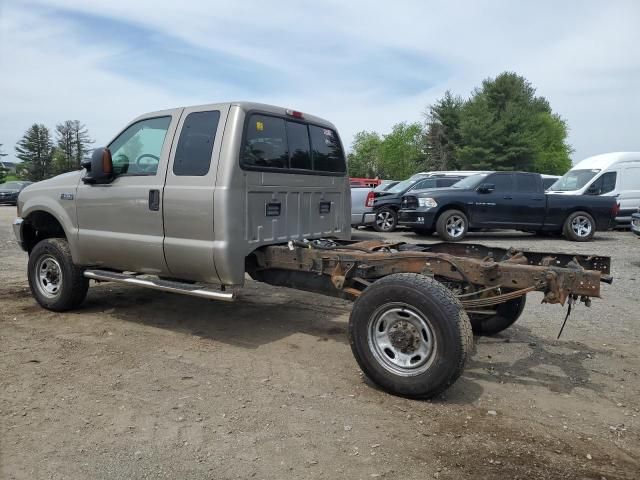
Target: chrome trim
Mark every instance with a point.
(158, 284)
(17, 231)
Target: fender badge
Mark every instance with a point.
(66, 196)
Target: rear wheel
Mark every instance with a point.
(410, 335)
(452, 225)
(579, 227)
(55, 282)
(506, 315)
(386, 220)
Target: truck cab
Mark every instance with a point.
(188, 193)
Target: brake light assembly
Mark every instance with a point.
(370, 199)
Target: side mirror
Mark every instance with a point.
(486, 188)
(593, 190)
(99, 168)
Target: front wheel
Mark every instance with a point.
(386, 220)
(452, 225)
(579, 227)
(410, 335)
(56, 283)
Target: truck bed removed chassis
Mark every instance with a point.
(346, 269)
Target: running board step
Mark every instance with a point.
(158, 284)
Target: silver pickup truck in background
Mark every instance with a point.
(190, 200)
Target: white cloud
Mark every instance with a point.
(333, 58)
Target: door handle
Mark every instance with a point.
(538, 199)
(508, 198)
(154, 200)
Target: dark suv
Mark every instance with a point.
(387, 203)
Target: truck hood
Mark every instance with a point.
(64, 181)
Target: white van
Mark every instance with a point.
(614, 174)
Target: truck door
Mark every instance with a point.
(494, 208)
(529, 202)
(189, 193)
(120, 223)
(629, 189)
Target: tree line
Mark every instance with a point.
(503, 125)
(43, 156)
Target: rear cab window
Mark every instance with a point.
(277, 144)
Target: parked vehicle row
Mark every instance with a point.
(505, 200)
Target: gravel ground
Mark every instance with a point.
(141, 384)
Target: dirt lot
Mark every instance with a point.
(140, 384)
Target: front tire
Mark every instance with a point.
(386, 220)
(579, 227)
(410, 335)
(452, 225)
(506, 315)
(56, 283)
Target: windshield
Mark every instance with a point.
(573, 180)
(11, 185)
(383, 187)
(471, 181)
(402, 186)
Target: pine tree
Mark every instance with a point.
(35, 149)
(72, 144)
(443, 133)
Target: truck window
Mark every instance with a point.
(605, 184)
(273, 142)
(265, 142)
(327, 152)
(137, 150)
(446, 182)
(193, 153)
(299, 149)
(502, 181)
(528, 183)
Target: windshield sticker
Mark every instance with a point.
(259, 126)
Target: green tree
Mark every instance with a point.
(505, 126)
(402, 151)
(443, 132)
(72, 144)
(35, 149)
(364, 159)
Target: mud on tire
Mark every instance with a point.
(410, 335)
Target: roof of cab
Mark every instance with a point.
(605, 160)
(247, 107)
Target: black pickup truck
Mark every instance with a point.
(505, 200)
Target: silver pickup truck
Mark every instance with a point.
(190, 200)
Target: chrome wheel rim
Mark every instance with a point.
(401, 339)
(384, 220)
(455, 226)
(48, 276)
(581, 226)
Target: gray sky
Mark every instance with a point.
(363, 65)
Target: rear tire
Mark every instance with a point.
(579, 227)
(452, 225)
(386, 220)
(56, 283)
(410, 335)
(507, 314)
